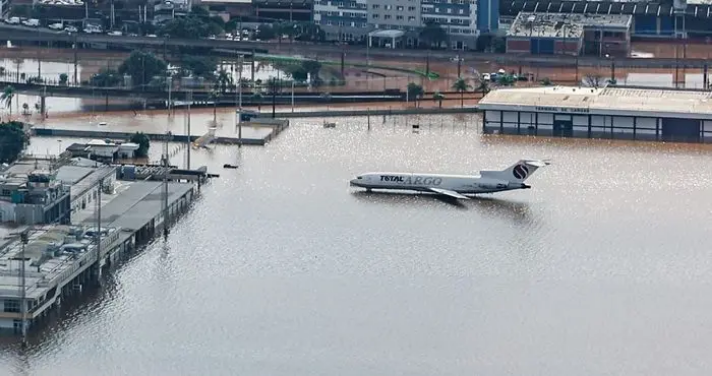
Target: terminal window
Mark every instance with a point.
(12, 305)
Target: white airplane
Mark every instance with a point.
(456, 186)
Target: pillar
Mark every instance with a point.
(370, 40)
(393, 43)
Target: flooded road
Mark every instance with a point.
(603, 267)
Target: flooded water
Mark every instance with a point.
(603, 267)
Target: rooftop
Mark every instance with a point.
(564, 25)
(605, 100)
(50, 252)
(132, 205)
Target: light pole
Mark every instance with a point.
(459, 61)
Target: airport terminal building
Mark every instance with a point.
(612, 112)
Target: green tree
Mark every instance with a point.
(200, 66)
(309, 32)
(433, 34)
(142, 67)
(461, 86)
(193, 26)
(415, 92)
(13, 140)
(438, 97)
(223, 80)
(143, 144)
(265, 32)
(63, 78)
(312, 67)
(483, 87)
(106, 78)
(298, 73)
(506, 80)
(7, 96)
(546, 81)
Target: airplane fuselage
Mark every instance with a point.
(463, 184)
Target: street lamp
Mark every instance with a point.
(613, 68)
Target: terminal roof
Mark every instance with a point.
(611, 99)
(563, 25)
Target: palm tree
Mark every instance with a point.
(462, 86)
(7, 96)
(223, 80)
(483, 87)
(415, 91)
(438, 97)
(257, 97)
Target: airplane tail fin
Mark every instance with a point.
(518, 172)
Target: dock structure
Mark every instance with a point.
(629, 113)
(255, 132)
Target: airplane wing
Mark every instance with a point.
(448, 192)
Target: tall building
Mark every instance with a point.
(4, 8)
(344, 20)
(397, 23)
(457, 17)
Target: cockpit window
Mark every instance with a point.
(360, 177)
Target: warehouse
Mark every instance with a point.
(570, 34)
(612, 112)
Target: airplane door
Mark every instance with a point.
(563, 126)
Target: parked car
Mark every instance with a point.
(71, 29)
(56, 26)
(13, 20)
(33, 22)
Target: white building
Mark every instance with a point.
(342, 20)
(612, 112)
(397, 23)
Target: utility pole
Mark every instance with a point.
(164, 200)
(427, 64)
(190, 99)
(23, 293)
(76, 47)
(239, 100)
(98, 232)
(170, 89)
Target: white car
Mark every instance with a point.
(151, 35)
(56, 26)
(33, 22)
(13, 20)
(116, 33)
(70, 29)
